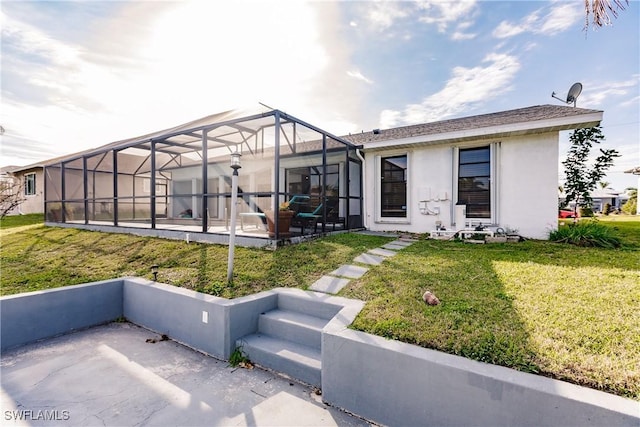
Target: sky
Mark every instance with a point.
(77, 75)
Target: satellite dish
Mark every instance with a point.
(573, 94)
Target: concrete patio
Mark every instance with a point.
(110, 375)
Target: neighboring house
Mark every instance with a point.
(498, 169)
(600, 197)
(30, 181)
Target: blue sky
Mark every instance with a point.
(77, 75)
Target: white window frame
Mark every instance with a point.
(494, 160)
(33, 191)
(378, 190)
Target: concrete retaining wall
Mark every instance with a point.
(386, 381)
(32, 316)
(398, 384)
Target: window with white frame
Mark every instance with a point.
(474, 181)
(393, 187)
(30, 184)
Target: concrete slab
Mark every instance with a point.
(110, 375)
(350, 271)
(329, 284)
(382, 252)
(369, 259)
(402, 242)
(393, 246)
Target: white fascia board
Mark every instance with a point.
(512, 129)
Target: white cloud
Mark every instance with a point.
(383, 14)
(561, 17)
(358, 76)
(594, 95)
(152, 67)
(442, 13)
(466, 87)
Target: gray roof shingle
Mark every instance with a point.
(520, 115)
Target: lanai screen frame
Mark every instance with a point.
(102, 186)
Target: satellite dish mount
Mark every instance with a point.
(573, 94)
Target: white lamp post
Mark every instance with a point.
(235, 165)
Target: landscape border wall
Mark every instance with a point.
(383, 380)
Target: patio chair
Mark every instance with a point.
(306, 219)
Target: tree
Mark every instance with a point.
(11, 195)
(631, 207)
(604, 184)
(600, 10)
(580, 178)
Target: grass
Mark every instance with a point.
(41, 257)
(554, 309)
(14, 221)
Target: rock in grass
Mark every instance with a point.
(429, 298)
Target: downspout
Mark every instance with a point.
(363, 192)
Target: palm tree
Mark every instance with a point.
(600, 9)
(604, 184)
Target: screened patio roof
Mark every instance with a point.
(249, 130)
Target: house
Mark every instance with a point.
(498, 170)
(601, 197)
(29, 180)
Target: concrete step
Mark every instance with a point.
(295, 360)
(308, 306)
(292, 326)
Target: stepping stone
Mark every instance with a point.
(403, 243)
(393, 246)
(329, 285)
(369, 259)
(350, 271)
(382, 252)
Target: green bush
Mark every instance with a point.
(630, 207)
(606, 209)
(586, 233)
(586, 212)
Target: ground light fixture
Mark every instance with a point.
(235, 165)
(154, 271)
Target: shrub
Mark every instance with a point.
(586, 212)
(630, 207)
(606, 209)
(586, 233)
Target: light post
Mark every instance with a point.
(235, 165)
(154, 271)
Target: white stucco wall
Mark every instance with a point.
(525, 185)
(33, 203)
(528, 185)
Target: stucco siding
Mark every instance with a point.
(528, 184)
(525, 182)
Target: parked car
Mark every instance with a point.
(565, 213)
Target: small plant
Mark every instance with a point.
(239, 359)
(606, 210)
(586, 233)
(285, 206)
(121, 319)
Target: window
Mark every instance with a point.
(474, 175)
(308, 180)
(393, 187)
(30, 184)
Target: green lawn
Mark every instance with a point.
(554, 309)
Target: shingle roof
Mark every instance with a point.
(521, 115)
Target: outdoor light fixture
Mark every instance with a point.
(235, 165)
(235, 162)
(154, 271)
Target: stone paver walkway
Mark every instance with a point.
(339, 278)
